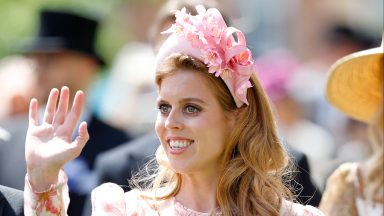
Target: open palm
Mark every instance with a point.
(49, 145)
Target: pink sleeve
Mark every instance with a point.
(53, 201)
(136, 205)
(108, 199)
(310, 211)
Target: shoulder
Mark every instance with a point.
(138, 202)
(339, 193)
(341, 183)
(110, 199)
(345, 173)
(14, 201)
(289, 208)
(341, 180)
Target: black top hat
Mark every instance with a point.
(60, 30)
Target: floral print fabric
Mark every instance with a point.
(110, 200)
(53, 201)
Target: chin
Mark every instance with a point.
(180, 168)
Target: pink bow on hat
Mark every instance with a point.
(207, 37)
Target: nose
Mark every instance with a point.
(173, 121)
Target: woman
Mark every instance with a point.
(355, 86)
(219, 152)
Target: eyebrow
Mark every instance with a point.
(184, 100)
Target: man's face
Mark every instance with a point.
(54, 70)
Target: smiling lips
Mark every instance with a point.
(179, 146)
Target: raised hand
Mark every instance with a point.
(49, 145)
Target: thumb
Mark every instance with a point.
(81, 139)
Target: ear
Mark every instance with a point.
(19, 104)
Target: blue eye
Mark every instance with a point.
(189, 109)
(164, 109)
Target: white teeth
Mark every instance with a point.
(178, 144)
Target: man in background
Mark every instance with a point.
(11, 202)
(65, 55)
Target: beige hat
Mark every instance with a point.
(355, 83)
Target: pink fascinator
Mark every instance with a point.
(205, 36)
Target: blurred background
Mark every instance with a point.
(294, 42)
(297, 25)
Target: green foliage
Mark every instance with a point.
(18, 21)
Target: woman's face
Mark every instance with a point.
(191, 125)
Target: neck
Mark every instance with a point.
(198, 192)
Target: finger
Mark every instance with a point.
(51, 106)
(81, 139)
(74, 115)
(33, 113)
(62, 107)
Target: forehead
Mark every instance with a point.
(185, 83)
(62, 54)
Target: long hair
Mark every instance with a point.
(251, 182)
(375, 174)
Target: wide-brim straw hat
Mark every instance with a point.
(355, 83)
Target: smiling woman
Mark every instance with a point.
(194, 128)
(219, 155)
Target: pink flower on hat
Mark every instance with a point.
(213, 42)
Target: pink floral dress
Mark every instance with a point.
(110, 200)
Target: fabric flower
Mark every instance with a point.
(213, 42)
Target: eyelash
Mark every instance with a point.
(161, 106)
(195, 111)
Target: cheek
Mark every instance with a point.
(220, 132)
(159, 125)
(53, 78)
